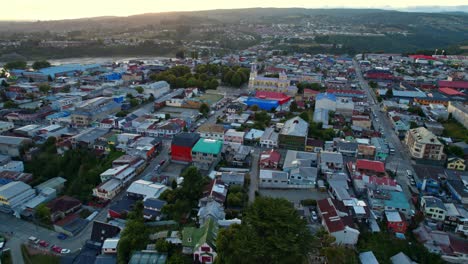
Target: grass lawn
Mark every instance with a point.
(38, 258)
(455, 130)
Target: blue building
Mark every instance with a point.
(262, 103)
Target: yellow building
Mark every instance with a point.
(280, 84)
(456, 164)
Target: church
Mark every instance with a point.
(280, 84)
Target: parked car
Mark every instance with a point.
(65, 251)
(33, 239)
(62, 236)
(2, 241)
(314, 216)
(56, 249)
(43, 243)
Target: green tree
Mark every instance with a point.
(204, 109)
(180, 54)
(271, 232)
(9, 104)
(43, 214)
(40, 64)
(389, 93)
(456, 150)
(373, 84)
(413, 124)
(236, 80)
(254, 108)
(139, 89)
(16, 65)
(304, 116)
(293, 106)
(121, 114)
(134, 102)
(134, 236)
(44, 88)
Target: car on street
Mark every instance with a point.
(314, 215)
(65, 251)
(413, 182)
(162, 162)
(43, 243)
(62, 236)
(56, 249)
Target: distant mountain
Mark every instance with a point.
(437, 9)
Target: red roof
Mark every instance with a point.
(280, 97)
(424, 57)
(382, 181)
(370, 165)
(450, 91)
(454, 84)
(271, 156)
(330, 216)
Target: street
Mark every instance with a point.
(400, 160)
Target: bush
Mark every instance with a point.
(309, 202)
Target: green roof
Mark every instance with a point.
(209, 146)
(195, 237)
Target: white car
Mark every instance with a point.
(314, 216)
(65, 251)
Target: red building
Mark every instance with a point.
(370, 167)
(181, 147)
(396, 222)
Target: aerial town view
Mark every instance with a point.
(180, 132)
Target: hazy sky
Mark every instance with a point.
(62, 9)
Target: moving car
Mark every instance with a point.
(65, 251)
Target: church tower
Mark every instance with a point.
(253, 75)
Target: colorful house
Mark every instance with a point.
(201, 242)
(456, 163)
(181, 146)
(396, 221)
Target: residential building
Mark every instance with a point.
(296, 159)
(269, 139)
(381, 200)
(216, 190)
(331, 162)
(368, 257)
(181, 146)
(273, 179)
(349, 149)
(152, 208)
(314, 145)
(56, 183)
(94, 109)
(362, 121)
(423, 144)
(143, 190)
(433, 208)
(294, 133)
(211, 131)
(206, 153)
(102, 231)
(211, 210)
(232, 178)
(14, 194)
(108, 190)
(11, 146)
(396, 221)
(456, 163)
(459, 112)
(148, 257)
(270, 159)
(325, 101)
(201, 242)
(369, 168)
(381, 148)
(233, 137)
(5, 126)
(110, 246)
(62, 207)
(338, 227)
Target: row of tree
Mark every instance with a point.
(21, 65)
(181, 77)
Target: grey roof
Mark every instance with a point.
(401, 258)
(269, 134)
(299, 159)
(368, 258)
(91, 135)
(326, 156)
(51, 183)
(434, 202)
(213, 209)
(295, 127)
(348, 146)
(7, 140)
(12, 189)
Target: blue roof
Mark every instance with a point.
(398, 200)
(67, 68)
(262, 103)
(58, 115)
(328, 96)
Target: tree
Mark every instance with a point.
(254, 108)
(180, 54)
(167, 116)
(139, 89)
(121, 114)
(389, 93)
(413, 124)
(134, 236)
(456, 150)
(43, 214)
(293, 106)
(373, 84)
(37, 65)
(204, 109)
(44, 88)
(304, 116)
(271, 232)
(9, 104)
(134, 102)
(21, 65)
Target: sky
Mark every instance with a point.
(68, 9)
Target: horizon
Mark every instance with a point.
(50, 10)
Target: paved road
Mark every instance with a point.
(253, 187)
(400, 160)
